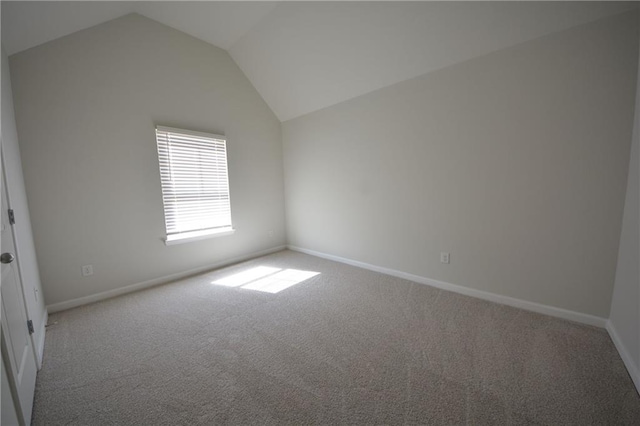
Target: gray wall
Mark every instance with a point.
(86, 106)
(27, 261)
(515, 163)
(625, 306)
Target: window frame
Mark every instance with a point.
(194, 234)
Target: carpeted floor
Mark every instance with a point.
(346, 346)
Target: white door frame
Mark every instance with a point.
(34, 344)
(21, 367)
(9, 409)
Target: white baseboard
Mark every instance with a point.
(632, 368)
(43, 330)
(57, 307)
(492, 297)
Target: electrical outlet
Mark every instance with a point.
(270, 233)
(444, 257)
(87, 270)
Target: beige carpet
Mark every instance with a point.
(347, 346)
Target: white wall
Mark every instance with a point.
(27, 261)
(624, 322)
(515, 163)
(86, 106)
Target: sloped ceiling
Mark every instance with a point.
(305, 56)
(26, 24)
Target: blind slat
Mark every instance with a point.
(195, 183)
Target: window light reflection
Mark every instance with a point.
(245, 277)
(266, 279)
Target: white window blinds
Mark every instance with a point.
(195, 183)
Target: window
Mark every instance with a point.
(195, 184)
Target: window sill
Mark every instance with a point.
(197, 235)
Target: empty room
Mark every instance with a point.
(320, 213)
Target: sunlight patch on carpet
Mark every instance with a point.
(244, 277)
(266, 279)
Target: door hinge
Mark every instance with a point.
(30, 326)
(12, 217)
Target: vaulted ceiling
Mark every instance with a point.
(305, 56)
